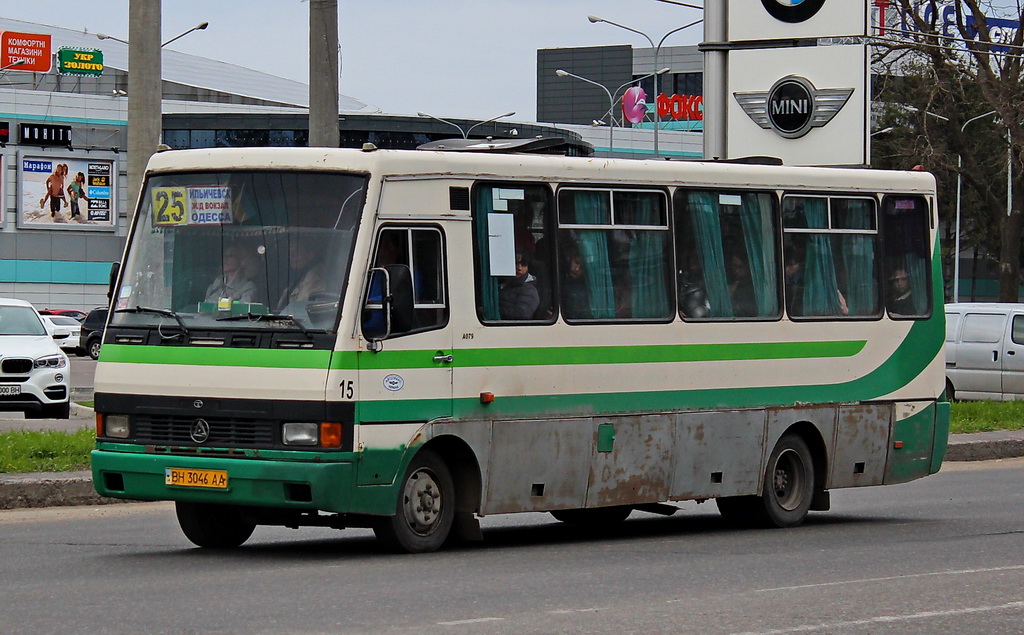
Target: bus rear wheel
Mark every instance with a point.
(213, 526)
(787, 493)
(425, 509)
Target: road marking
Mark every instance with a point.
(478, 620)
(829, 626)
(892, 577)
(568, 611)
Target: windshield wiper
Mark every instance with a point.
(164, 312)
(260, 317)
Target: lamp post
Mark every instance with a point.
(465, 132)
(657, 117)
(199, 27)
(11, 65)
(956, 239)
(612, 97)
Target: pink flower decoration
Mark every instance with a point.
(633, 105)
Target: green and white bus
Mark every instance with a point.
(411, 340)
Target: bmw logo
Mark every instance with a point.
(793, 10)
(200, 431)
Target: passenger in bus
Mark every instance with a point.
(575, 295)
(794, 273)
(233, 282)
(741, 287)
(518, 298)
(693, 297)
(901, 296)
(305, 276)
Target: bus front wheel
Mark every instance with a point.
(213, 526)
(425, 509)
(787, 493)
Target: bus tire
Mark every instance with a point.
(425, 508)
(213, 526)
(594, 516)
(787, 492)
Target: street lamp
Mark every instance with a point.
(657, 118)
(12, 65)
(612, 97)
(956, 239)
(465, 132)
(199, 27)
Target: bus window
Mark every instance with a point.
(830, 246)
(421, 250)
(616, 255)
(726, 256)
(905, 223)
(514, 253)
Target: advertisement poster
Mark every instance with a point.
(66, 192)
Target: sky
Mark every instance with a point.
(450, 58)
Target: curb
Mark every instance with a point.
(62, 489)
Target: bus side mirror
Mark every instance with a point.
(389, 306)
(115, 268)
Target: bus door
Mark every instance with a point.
(409, 380)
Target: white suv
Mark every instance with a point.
(35, 376)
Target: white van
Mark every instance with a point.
(985, 351)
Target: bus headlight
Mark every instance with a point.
(116, 426)
(301, 434)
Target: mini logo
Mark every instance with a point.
(793, 106)
(198, 403)
(200, 431)
(394, 382)
(792, 10)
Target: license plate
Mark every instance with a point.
(10, 390)
(183, 477)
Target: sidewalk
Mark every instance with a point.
(54, 489)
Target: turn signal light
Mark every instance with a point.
(487, 397)
(99, 424)
(330, 435)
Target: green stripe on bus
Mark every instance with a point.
(591, 355)
(480, 357)
(202, 356)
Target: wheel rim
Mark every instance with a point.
(788, 481)
(422, 502)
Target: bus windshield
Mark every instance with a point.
(252, 250)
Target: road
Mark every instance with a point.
(944, 554)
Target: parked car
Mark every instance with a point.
(66, 331)
(71, 313)
(35, 376)
(92, 331)
(985, 351)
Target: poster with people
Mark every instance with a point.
(66, 192)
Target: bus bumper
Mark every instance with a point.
(263, 483)
(918, 444)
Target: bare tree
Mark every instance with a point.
(948, 79)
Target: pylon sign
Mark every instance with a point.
(796, 81)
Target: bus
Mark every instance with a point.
(412, 340)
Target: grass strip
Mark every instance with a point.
(46, 450)
(986, 416)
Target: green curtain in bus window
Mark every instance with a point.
(488, 283)
(647, 260)
(821, 289)
(759, 239)
(858, 255)
(594, 208)
(707, 231)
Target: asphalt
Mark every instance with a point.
(55, 489)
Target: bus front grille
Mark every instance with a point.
(174, 430)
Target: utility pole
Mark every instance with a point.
(145, 94)
(323, 73)
(716, 103)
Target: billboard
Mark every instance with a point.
(31, 49)
(66, 192)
